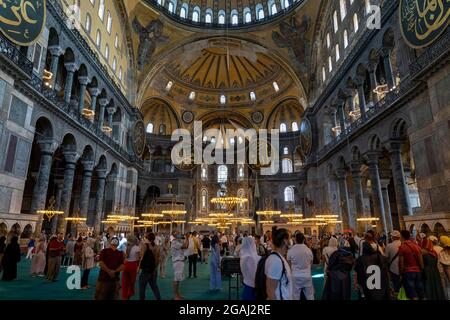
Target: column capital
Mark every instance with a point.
(71, 157)
(71, 67)
(372, 66)
(55, 51)
(341, 174)
(47, 146)
(111, 110)
(103, 102)
(359, 81)
(385, 52)
(102, 173)
(94, 91)
(395, 146)
(355, 168)
(373, 158)
(384, 183)
(83, 80)
(88, 165)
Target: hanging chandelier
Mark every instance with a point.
(50, 212)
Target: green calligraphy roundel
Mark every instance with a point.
(423, 21)
(22, 21)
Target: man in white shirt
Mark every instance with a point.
(122, 243)
(277, 269)
(300, 257)
(392, 256)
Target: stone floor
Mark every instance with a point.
(27, 288)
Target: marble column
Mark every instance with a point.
(355, 167)
(94, 92)
(361, 97)
(341, 114)
(111, 112)
(377, 197)
(401, 187)
(372, 66)
(101, 117)
(88, 167)
(348, 219)
(59, 189)
(47, 147)
(55, 52)
(71, 158)
(387, 205)
(70, 68)
(386, 55)
(350, 102)
(83, 85)
(99, 200)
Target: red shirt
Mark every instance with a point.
(58, 245)
(410, 252)
(113, 259)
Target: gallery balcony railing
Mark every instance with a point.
(13, 54)
(37, 84)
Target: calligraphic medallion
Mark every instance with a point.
(306, 137)
(139, 137)
(423, 21)
(22, 21)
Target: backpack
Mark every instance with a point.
(148, 263)
(260, 278)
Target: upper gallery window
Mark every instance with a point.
(252, 96)
(355, 22)
(88, 24)
(208, 16)
(98, 40)
(101, 10)
(223, 99)
(116, 42)
(294, 126)
(276, 87)
(171, 7)
(196, 15)
(109, 23)
(335, 21)
(345, 39)
(149, 127)
(343, 8)
(283, 127)
(222, 17)
(234, 18)
(289, 194)
(183, 13)
(247, 15)
(169, 85)
(222, 174)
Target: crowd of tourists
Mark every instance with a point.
(275, 266)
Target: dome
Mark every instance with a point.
(223, 13)
(159, 118)
(286, 116)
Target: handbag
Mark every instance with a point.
(402, 294)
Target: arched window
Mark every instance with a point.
(101, 9)
(222, 174)
(355, 22)
(335, 21)
(368, 6)
(109, 23)
(241, 172)
(289, 194)
(252, 96)
(223, 99)
(247, 15)
(204, 199)
(330, 64)
(169, 86)
(221, 17)
(98, 39)
(276, 87)
(328, 40)
(285, 150)
(204, 173)
(208, 16)
(283, 127)
(286, 4)
(272, 7)
(114, 65)
(192, 95)
(294, 126)
(286, 165)
(345, 39)
(343, 8)
(183, 12)
(324, 74)
(120, 73)
(234, 17)
(88, 24)
(196, 14)
(116, 42)
(171, 7)
(162, 129)
(259, 11)
(107, 52)
(338, 56)
(149, 127)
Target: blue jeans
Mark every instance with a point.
(249, 293)
(413, 284)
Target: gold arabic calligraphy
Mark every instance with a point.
(426, 16)
(20, 13)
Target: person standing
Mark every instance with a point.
(433, 284)
(411, 266)
(70, 252)
(31, 248)
(55, 251)
(164, 253)
(206, 242)
(224, 244)
(193, 249)
(130, 269)
(216, 275)
(301, 259)
(277, 270)
(149, 266)
(177, 246)
(87, 262)
(78, 252)
(249, 259)
(444, 261)
(327, 251)
(111, 264)
(392, 259)
(38, 261)
(10, 259)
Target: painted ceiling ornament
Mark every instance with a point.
(139, 138)
(188, 117)
(423, 21)
(150, 37)
(22, 21)
(257, 117)
(293, 36)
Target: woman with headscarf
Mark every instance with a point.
(131, 265)
(433, 285)
(444, 260)
(87, 261)
(329, 249)
(216, 274)
(249, 263)
(38, 262)
(10, 259)
(78, 252)
(338, 284)
(2, 250)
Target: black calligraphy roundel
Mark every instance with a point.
(22, 21)
(306, 137)
(423, 21)
(139, 137)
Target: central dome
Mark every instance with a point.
(224, 13)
